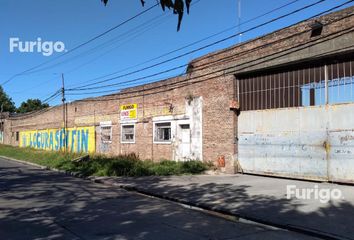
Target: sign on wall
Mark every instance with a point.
(128, 112)
(80, 139)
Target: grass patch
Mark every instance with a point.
(98, 165)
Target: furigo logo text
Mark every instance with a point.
(324, 195)
(47, 48)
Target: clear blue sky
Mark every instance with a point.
(74, 22)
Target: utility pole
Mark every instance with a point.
(2, 123)
(64, 109)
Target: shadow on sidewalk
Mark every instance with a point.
(60, 204)
(39, 204)
(333, 218)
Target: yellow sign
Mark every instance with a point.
(128, 112)
(80, 139)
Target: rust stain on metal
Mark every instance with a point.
(327, 146)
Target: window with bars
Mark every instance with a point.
(128, 133)
(341, 82)
(306, 85)
(162, 132)
(106, 134)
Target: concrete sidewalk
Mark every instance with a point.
(262, 199)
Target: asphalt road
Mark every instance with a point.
(39, 204)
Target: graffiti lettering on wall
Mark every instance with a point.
(81, 139)
(128, 112)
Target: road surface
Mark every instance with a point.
(40, 204)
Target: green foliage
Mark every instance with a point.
(9, 106)
(177, 6)
(194, 167)
(123, 165)
(32, 105)
(6, 102)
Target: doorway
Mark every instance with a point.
(183, 152)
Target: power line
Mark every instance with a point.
(338, 6)
(187, 82)
(196, 42)
(121, 88)
(138, 31)
(222, 71)
(204, 47)
(82, 44)
(54, 95)
(92, 50)
(193, 51)
(37, 112)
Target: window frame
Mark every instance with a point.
(311, 83)
(154, 133)
(106, 124)
(121, 133)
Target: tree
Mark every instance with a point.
(32, 105)
(177, 6)
(6, 102)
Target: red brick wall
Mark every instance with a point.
(216, 93)
(212, 83)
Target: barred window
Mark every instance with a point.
(330, 81)
(162, 132)
(128, 133)
(106, 134)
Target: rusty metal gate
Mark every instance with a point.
(299, 122)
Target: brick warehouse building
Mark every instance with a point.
(281, 104)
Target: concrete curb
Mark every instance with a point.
(24, 162)
(225, 212)
(202, 206)
(74, 174)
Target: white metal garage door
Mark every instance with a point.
(299, 121)
(308, 142)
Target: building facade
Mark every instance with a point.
(279, 105)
